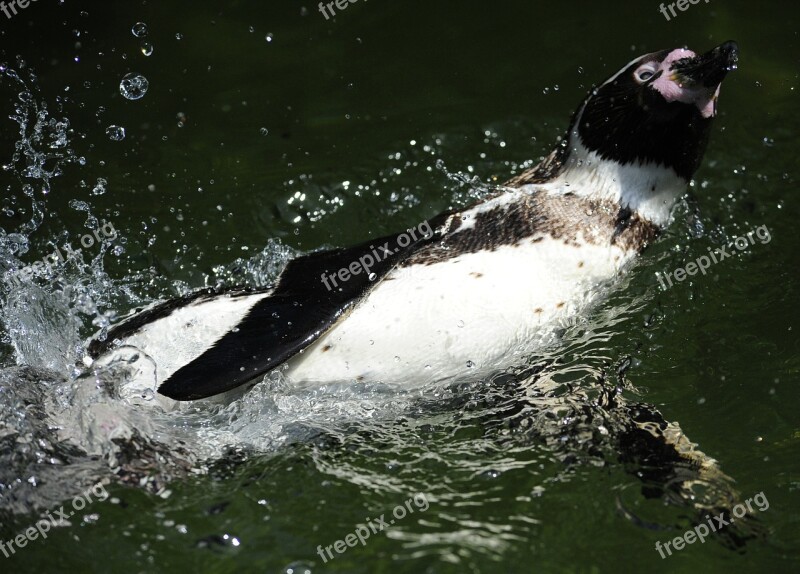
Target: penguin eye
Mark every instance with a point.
(644, 73)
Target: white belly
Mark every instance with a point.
(463, 316)
(152, 354)
(470, 315)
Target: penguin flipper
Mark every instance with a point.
(309, 298)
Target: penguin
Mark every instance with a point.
(469, 291)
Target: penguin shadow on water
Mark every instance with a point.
(587, 421)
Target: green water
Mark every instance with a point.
(334, 131)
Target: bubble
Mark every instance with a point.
(263, 131)
(147, 48)
(133, 86)
(115, 133)
(139, 29)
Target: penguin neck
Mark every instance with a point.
(649, 190)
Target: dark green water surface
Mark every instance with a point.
(264, 122)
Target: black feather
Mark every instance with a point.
(297, 313)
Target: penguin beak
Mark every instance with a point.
(709, 69)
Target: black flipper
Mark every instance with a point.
(298, 312)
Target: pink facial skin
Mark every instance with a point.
(704, 98)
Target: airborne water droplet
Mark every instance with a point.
(100, 188)
(133, 86)
(139, 29)
(470, 364)
(147, 48)
(115, 133)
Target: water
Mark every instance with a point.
(267, 131)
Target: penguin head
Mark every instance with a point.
(657, 110)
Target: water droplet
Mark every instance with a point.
(179, 36)
(372, 276)
(148, 394)
(115, 133)
(470, 364)
(133, 86)
(100, 187)
(263, 131)
(147, 48)
(460, 324)
(139, 29)
(396, 359)
(269, 37)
